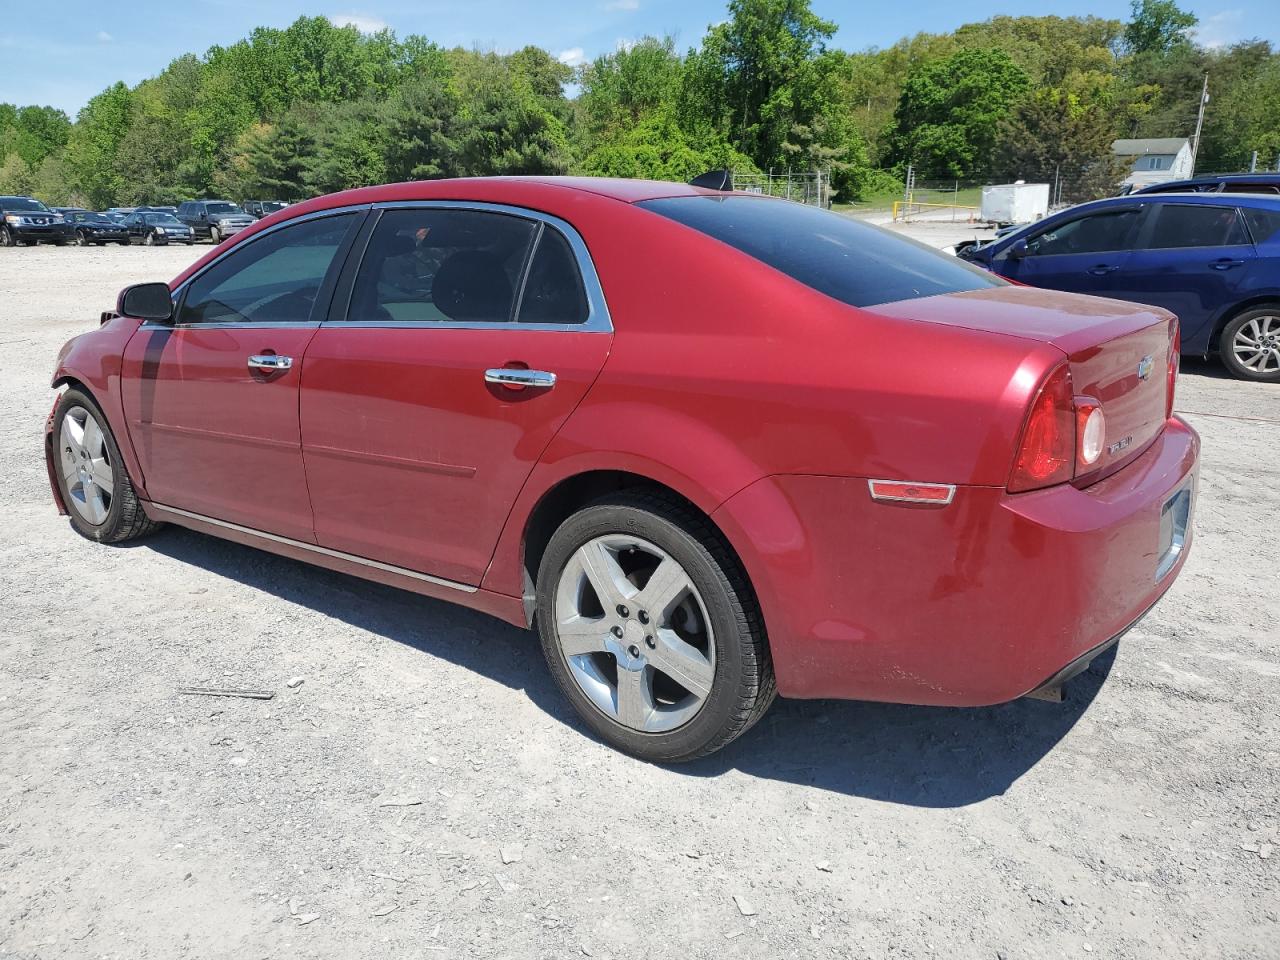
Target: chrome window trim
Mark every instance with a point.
(177, 294)
(599, 320)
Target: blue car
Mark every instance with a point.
(1211, 258)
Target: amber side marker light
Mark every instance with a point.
(903, 491)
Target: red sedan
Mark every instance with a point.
(713, 445)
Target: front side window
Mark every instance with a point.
(1093, 234)
(440, 265)
(274, 278)
(844, 258)
(1195, 225)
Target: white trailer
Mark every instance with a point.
(1015, 202)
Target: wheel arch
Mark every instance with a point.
(569, 493)
(1261, 300)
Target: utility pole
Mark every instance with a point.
(1195, 141)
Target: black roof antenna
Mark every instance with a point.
(714, 180)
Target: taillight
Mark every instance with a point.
(1091, 430)
(1175, 361)
(1047, 453)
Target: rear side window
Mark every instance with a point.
(1195, 225)
(1264, 224)
(1096, 233)
(844, 258)
(553, 291)
(439, 265)
(274, 278)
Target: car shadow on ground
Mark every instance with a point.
(919, 756)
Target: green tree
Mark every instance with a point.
(1157, 27)
(950, 110)
(94, 145)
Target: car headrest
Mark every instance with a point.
(473, 285)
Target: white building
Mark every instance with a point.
(1154, 160)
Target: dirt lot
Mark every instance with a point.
(425, 792)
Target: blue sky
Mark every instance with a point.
(62, 52)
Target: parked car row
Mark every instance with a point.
(25, 220)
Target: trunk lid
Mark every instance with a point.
(1118, 352)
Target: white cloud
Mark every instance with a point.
(622, 5)
(361, 21)
(572, 57)
(625, 44)
(104, 37)
(1220, 30)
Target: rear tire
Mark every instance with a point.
(681, 669)
(1250, 344)
(92, 476)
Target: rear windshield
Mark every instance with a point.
(846, 259)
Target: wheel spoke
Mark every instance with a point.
(668, 583)
(682, 662)
(634, 698)
(604, 574)
(95, 510)
(92, 437)
(580, 635)
(73, 434)
(102, 474)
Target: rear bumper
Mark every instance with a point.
(974, 603)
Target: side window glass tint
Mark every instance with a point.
(553, 292)
(1264, 225)
(1185, 225)
(274, 278)
(1095, 234)
(440, 265)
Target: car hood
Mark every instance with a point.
(1068, 321)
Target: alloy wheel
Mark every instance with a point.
(6, 238)
(635, 633)
(1256, 344)
(87, 469)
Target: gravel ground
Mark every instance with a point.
(425, 792)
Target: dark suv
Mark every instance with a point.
(215, 219)
(27, 220)
(263, 208)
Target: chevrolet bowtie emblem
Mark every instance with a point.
(1144, 367)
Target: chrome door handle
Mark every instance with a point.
(515, 377)
(1225, 264)
(269, 361)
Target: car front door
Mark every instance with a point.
(211, 400)
(461, 345)
(1081, 254)
(1190, 258)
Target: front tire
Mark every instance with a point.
(82, 240)
(92, 476)
(651, 629)
(1250, 345)
(215, 236)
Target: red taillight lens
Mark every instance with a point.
(1175, 361)
(1047, 454)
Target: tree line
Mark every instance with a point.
(316, 107)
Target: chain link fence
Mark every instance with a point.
(811, 187)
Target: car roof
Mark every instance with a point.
(1208, 179)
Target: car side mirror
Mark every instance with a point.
(1017, 249)
(146, 301)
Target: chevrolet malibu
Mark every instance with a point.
(713, 446)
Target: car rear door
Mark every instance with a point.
(211, 400)
(1080, 254)
(458, 348)
(1191, 259)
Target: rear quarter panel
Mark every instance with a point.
(724, 371)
